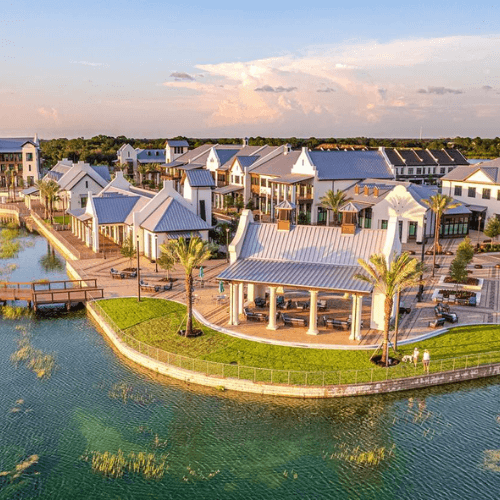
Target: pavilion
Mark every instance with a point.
(311, 258)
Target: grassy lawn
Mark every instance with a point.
(156, 321)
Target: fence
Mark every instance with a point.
(295, 377)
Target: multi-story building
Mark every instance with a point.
(134, 158)
(478, 186)
(422, 165)
(19, 161)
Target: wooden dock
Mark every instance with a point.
(39, 293)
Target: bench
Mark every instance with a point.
(436, 322)
(117, 274)
(149, 288)
(302, 305)
(338, 324)
(255, 316)
(403, 308)
(322, 305)
(287, 304)
(449, 316)
(260, 302)
(164, 288)
(130, 274)
(293, 320)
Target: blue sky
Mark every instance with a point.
(156, 69)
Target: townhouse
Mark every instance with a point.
(19, 161)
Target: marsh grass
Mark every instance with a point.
(125, 392)
(35, 359)
(112, 465)
(372, 458)
(20, 468)
(12, 312)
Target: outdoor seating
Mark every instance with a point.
(117, 274)
(473, 301)
(439, 309)
(164, 288)
(293, 320)
(439, 298)
(437, 322)
(462, 302)
(130, 274)
(149, 288)
(255, 316)
(303, 305)
(403, 308)
(260, 302)
(338, 324)
(322, 305)
(287, 304)
(451, 317)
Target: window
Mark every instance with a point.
(29, 168)
(410, 171)
(443, 170)
(472, 192)
(486, 193)
(458, 190)
(263, 182)
(29, 156)
(498, 195)
(419, 171)
(383, 224)
(83, 201)
(149, 153)
(86, 184)
(157, 153)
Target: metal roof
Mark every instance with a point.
(200, 178)
(30, 190)
(172, 215)
(103, 171)
(178, 144)
(311, 244)
(307, 275)
(155, 155)
(182, 234)
(226, 154)
(14, 144)
(477, 208)
(338, 165)
(280, 165)
(114, 209)
(285, 205)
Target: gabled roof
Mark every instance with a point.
(489, 168)
(226, 154)
(14, 144)
(172, 215)
(200, 178)
(103, 171)
(278, 166)
(114, 209)
(177, 144)
(151, 155)
(343, 165)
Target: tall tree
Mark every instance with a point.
(190, 255)
(42, 187)
(333, 201)
(492, 228)
(52, 189)
(439, 203)
(143, 170)
(400, 273)
(167, 258)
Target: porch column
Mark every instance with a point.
(230, 322)
(241, 298)
(236, 319)
(357, 304)
(250, 292)
(272, 309)
(313, 313)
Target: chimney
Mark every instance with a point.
(375, 192)
(356, 189)
(286, 149)
(245, 141)
(366, 191)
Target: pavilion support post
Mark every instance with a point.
(272, 309)
(241, 298)
(231, 291)
(250, 292)
(236, 315)
(357, 304)
(313, 313)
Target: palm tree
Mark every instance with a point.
(333, 201)
(400, 273)
(143, 170)
(52, 189)
(42, 187)
(439, 203)
(190, 255)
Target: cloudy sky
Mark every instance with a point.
(329, 69)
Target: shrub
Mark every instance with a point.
(458, 271)
(465, 250)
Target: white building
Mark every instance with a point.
(477, 186)
(19, 158)
(134, 158)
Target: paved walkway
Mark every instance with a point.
(412, 325)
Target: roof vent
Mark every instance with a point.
(366, 191)
(356, 189)
(375, 191)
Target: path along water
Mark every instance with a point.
(439, 443)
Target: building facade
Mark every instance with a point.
(19, 161)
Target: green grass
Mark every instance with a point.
(60, 219)
(155, 322)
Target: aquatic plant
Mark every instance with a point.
(372, 457)
(35, 359)
(194, 474)
(125, 392)
(11, 312)
(116, 465)
(20, 467)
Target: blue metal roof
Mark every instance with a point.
(114, 209)
(338, 165)
(103, 171)
(143, 155)
(225, 154)
(14, 144)
(200, 178)
(178, 144)
(247, 161)
(51, 174)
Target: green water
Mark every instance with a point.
(222, 445)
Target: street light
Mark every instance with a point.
(479, 230)
(156, 253)
(138, 272)
(424, 241)
(227, 244)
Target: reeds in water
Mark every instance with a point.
(126, 392)
(35, 359)
(20, 467)
(11, 312)
(372, 457)
(116, 465)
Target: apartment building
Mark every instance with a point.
(19, 161)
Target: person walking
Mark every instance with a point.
(426, 359)
(416, 354)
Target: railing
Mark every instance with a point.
(38, 286)
(296, 377)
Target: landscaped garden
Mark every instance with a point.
(156, 323)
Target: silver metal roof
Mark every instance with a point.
(182, 234)
(177, 143)
(200, 178)
(317, 276)
(231, 188)
(114, 209)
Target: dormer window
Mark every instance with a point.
(157, 153)
(149, 153)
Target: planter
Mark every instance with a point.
(195, 332)
(377, 360)
(472, 283)
(459, 294)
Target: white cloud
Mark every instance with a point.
(50, 113)
(88, 63)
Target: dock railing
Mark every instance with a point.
(297, 377)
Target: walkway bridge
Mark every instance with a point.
(39, 293)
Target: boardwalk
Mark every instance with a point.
(51, 292)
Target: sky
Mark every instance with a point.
(234, 69)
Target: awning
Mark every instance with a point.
(477, 208)
(30, 190)
(228, 189)
(80, 214)
(297, 274)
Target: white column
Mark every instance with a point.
(357, 324)
(250, 292)
(236, 319)
(272, 309)
(354, 313)
(241, 298)
(230, 322)
(313, 313)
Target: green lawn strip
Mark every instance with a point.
(156, 321)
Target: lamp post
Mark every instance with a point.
(479, 230)
(156, 253)
(227, 244)
(424, 241)
(138, 272)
